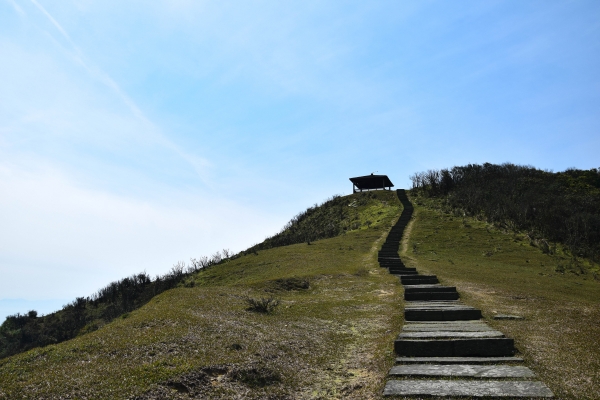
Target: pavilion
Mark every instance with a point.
(371, 182)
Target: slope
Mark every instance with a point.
(501, 272)
(331, 339)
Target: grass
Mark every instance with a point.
(501, 272)
(330, 337)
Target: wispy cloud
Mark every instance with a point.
(18, 9)
(151, 130)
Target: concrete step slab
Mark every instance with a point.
(435, 306)
(462, 370)
(450, 324)
(466, 388)
(452, 328)
(450, 334)
(431, 296)
(458, 360)
(448, 314)
(429, 288)
(420, 280)
(477, 347)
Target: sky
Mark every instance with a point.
(137, 134)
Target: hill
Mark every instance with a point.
(19, 333)
(330, 336)
(501, 271)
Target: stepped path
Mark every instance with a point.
(445, 349)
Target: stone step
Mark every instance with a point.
(403, 272)
(461, 370)
(417, 327)
(436, 303)
(402, 269)
(429, 288)
(431, 296)
(419, 280)
(458, 360)
(442, 314)
(449, 334)
(467, 388)
(388, 261)
(476, 347)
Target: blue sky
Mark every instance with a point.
(137, 134)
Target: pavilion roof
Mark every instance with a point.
(372, 182)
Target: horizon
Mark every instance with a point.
(135, 136)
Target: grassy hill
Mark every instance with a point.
(330, 336)
(504, 272)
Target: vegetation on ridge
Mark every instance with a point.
(333, 217)
(562, 207)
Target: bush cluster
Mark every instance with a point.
(265, 305)
(327, 220)
(20, 333)
(561, 207)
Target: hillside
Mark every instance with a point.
(332, 334)
(552, 207)
(503, 272)
(330, 339)
(333, 217)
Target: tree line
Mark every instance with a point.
(561, 207)
(21, 332)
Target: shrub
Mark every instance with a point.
(264, 305)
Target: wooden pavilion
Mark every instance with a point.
(371, 182)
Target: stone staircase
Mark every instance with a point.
(445, 349)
